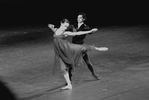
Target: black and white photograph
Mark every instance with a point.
(74, 50)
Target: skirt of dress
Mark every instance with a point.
(70, 54)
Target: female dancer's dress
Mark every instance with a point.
(70, 54)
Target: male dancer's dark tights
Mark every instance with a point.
(89, 65)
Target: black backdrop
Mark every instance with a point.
(99, 12)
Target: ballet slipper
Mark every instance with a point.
(102, 49)
(68, 87)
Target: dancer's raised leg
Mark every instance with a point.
(101, 48)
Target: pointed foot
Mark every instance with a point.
(102, 49)
(97, 77)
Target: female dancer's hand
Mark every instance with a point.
(94, 30)
(51, 25)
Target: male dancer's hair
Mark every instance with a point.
(83, 15)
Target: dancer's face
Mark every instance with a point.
(65, 25)
(80, 19)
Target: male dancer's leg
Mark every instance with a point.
(70, 72)
(89, 65)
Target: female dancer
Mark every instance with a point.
(69, 53)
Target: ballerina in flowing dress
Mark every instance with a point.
(69, 53)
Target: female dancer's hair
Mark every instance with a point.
(65, 21)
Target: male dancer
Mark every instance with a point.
(79, 39)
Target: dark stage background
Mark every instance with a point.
(99, 12)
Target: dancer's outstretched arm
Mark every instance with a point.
(80, 32)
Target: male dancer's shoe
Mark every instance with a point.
(97, 77)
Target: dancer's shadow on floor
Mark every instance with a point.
(85, 81)
(47, 91)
